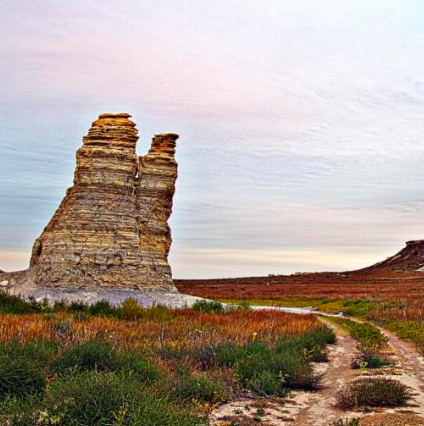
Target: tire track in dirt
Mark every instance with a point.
(409, 369)
(322, 409)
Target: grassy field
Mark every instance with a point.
(78, 365)
(398, 308)
(404, 316)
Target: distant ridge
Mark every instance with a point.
(410, 259)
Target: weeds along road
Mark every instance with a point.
(320, 408)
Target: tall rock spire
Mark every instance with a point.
(155, 190)
(111, 229)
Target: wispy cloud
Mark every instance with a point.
(301, 122)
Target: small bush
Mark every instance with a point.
(266, 383)
(102, 308)
(288, 363)
(134, 364)
(93, 355)
(200, 388)
(10, 304)
(227, 354)
(369, 360)
(208, 306)
(98, 355)
(347, 422)
(373, 392)
(132, 311)
(23, 369)
(297, 370)
(243, 306)
(313, 342)
(77, 307)
(90, 398)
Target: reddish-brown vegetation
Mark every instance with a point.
(396, 278)
(351, 285)
(184, 328)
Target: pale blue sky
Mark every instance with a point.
(301, 122)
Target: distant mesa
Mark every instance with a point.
(409, 260)
(111, 230)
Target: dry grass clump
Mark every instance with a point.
(183, 329)
(373, 392)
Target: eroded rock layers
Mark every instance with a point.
(111, 229)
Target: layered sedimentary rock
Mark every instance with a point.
(111, 229)
(410, 259)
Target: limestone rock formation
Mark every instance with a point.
(111, 229)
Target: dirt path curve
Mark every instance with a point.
(303, 408)
(321, 406)
(409, 369)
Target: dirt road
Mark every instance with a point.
(319, 408)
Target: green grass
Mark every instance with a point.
(130, 310)
(357, 308)
(93, 383)
(408, 330)
(102, 398)
(208, 306)
(98, 355)
(368, 336)
(372, 310)
(291, 302)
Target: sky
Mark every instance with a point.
(301, 122)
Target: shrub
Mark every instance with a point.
(297, 370)
(227, 354)
(23, 368)
(136, 365)
(91, 397)
(156, 410)
(373, 392)
(102, 307)
(132, 311)
(11, 304)
(77, 307)
(369, 360)
(200, 388)
(243, 306)
(313, 342)
(93, 355)
(347, 422)
(266, 383)
(157, 313)
(208, 306)
(98, 355)
(286, 363)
